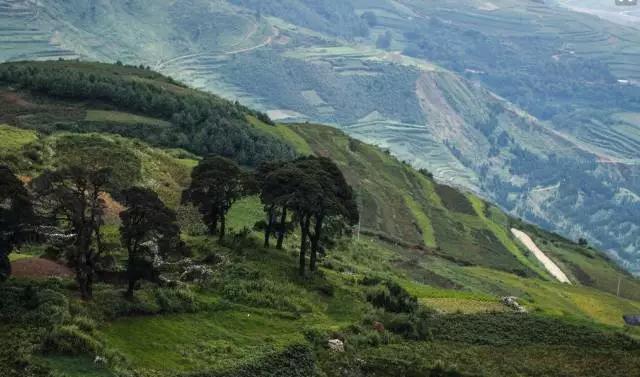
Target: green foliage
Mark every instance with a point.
(70, 340)
(203, 124)
(216, 184)
(294, 361)
(519, 330)
(147, 220)
(390, 296)
(17, 218)
(110, 304)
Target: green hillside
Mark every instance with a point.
(417, 77)
(450, 249)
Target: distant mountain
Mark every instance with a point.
(609, 10)
(530, 104)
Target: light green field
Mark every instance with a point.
(124, 118)
(216, 340)
(285, 133)
(12, 139)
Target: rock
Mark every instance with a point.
(100, 361)
(512, 302)
(336, 345)
(378, 326)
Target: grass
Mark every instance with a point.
(561, 300)
(423, 221)
(16, 257)
(285, 133)
(503, 235)
(13, 139)
(124, 118)
(65, 366)
(216, 340)
(245, 213)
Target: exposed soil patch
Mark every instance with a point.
(39, 268)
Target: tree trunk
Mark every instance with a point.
(223, 226)
(131, 288)
(315, 242)
(84, 283)
(282, 231)
(269, 229)
(83, 265)
(213, 224)
(304, 230)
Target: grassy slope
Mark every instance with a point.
(136, 163)
(380, 179)
(421, 234)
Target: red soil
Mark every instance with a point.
(39, 268)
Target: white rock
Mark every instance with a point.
(336, 345)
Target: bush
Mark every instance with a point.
(390, 296)
(110, 303)
(35, 303)
(70, 340)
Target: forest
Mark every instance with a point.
(202, 124)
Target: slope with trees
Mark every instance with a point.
(410, 290)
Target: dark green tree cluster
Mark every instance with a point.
(203, 124)
(71, 198)
(16, 217)
(69, 204)
(216, 184)
(315, 191)
(147, 224)
(311, 190)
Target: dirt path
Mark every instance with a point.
(542, 257)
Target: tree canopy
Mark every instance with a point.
(216, 184)
(16, 217)
(316, 191)
(71, 198)
(149, 231)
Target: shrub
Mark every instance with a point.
(390, 296)
(70, 340)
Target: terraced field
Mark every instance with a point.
(22, 36)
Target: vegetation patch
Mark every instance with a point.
(125, 118)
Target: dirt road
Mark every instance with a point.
(542, 257)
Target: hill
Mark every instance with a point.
(415, 77)
(448, 248)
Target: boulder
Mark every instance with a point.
(336, 345)
(100, 361)
(512, 302)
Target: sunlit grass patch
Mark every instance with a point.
(216, 340)
(12, 139)
(122, 117)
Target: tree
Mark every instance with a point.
(370, 18)
(16, 217)
(317, 193)
(147, 226)
(274, 198)
(336, 205)
(216, 184)
(71, 197)
(384, 40)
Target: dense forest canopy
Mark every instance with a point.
(203, 124)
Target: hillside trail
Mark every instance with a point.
(553, 268)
